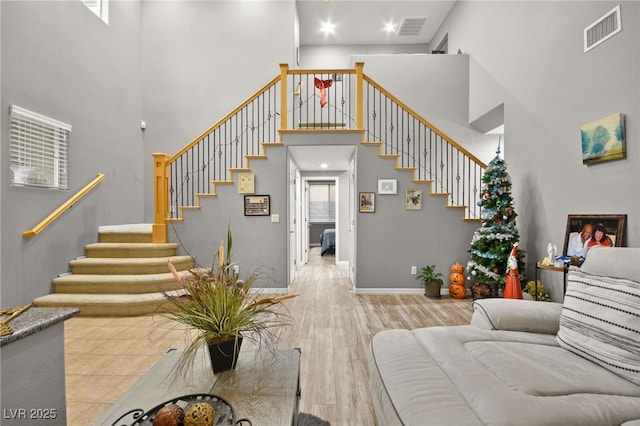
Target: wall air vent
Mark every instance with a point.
(604, 28)
(411, 26)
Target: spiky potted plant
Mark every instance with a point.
(220, 307)
(431, 280)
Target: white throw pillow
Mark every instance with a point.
(600, 321)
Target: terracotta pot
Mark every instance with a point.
(224, 354)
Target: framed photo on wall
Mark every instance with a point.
(387, 186)
(413, 199)
(257, 205)
(367, 202)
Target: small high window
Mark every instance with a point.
(39, 150)
(99, 7)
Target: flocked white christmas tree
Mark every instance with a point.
(493, 240)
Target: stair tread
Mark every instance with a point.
(143, 246)
(131, 260)
(90, 298)
(139, 228)
(158, 277)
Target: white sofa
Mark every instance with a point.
(523, 362)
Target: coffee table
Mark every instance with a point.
(264, 387)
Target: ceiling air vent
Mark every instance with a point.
(411, 26)
(604, 28)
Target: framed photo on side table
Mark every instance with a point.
(611, 226)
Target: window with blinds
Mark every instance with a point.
(322, 202)
(39, 150)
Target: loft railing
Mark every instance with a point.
(313, 100)
(63, 208)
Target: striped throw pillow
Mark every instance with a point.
(600, 321)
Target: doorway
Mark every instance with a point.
(320, 205)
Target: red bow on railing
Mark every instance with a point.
(323, 84)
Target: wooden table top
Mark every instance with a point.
(264, 387)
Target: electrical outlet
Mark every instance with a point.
(414, 270)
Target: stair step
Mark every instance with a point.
(137, 233)
(135, 250)
(109, 305)
(124, 266)
(115, 284)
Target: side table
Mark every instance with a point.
(264, 387)
(563, 269)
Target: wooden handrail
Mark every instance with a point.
(63, 208)
(425, 122)
(163, 161)
(224, 119)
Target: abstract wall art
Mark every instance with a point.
(603, 140)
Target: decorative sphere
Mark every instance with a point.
(199, 414)
(169, 415)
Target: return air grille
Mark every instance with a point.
(411, 26)
(603, 29)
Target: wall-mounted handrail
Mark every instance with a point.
(63, 207)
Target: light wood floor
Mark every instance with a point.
(331, 325)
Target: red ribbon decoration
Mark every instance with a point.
(322, 85)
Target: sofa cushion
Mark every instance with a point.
(465, 375)
(600, 321)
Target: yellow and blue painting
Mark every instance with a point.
(603, 140)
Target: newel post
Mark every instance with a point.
(359, 92)
(284, 68)
(161, 201)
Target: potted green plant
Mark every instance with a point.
(220, 307)
(431, 280)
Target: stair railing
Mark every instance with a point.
(44, 223)
(418, 145)
(313, 100)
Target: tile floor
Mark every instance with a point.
(104, 357)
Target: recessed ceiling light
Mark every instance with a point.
(327, 27)
(324, 165)
(389, 27)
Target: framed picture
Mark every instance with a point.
(387, 186)
(367, 202)
(413, 199)
(246, 183)
(257, 205)
(603, 140)
(585, 230)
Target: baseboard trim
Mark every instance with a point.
(381, 291)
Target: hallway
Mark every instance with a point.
(331, 325)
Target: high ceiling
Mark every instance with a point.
(364, 21)
(361, 22)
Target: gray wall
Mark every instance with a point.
(201, 59)
(531, 58)
(60, 60)
(393, 239)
